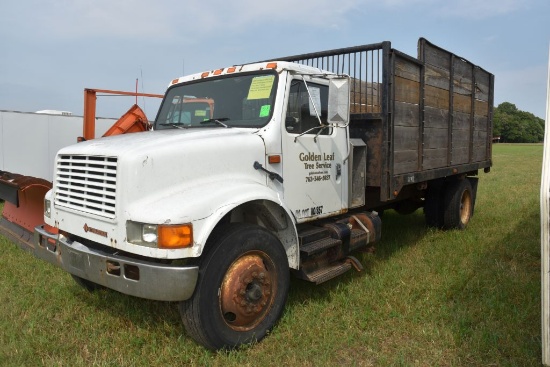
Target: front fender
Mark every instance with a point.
(207, 204)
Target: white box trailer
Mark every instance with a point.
(29, 141)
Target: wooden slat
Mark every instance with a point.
(435, 138)
(406, 114)
(437, 57)
(461, 121)
(480, 138)
(407, 90)
(436, 77)
(434, 158)
(436, 97)
(479, 154)
(482, 84)
(406, 137)
(462, 77)
(407, 70)
(482, 108)
(462, 103)
(480, 123)
(436, 117)
(459, 155)
(405, 161)
(460, 138)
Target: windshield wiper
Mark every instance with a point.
(217, 121)
(176, 125)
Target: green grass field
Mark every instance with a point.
(426, 298)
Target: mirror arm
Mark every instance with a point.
(312, 102)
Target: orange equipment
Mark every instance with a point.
(24, 195)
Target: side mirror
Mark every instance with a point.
(338, 100)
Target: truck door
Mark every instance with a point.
(315, 176)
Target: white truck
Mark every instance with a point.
(255, 171)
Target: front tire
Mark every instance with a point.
(242, 288)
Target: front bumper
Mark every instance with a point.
(138, 278)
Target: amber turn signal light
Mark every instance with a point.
(175, 236)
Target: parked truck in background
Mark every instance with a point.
(281, 168)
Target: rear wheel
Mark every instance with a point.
(459, 204)
(433, 205)
(241, 291)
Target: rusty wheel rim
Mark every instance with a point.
(247, 291)
(465, 207)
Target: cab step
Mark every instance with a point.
(326, 273)
(308, 233)
(319, 246)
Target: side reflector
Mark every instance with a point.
(271, 65)
(175, 236)
(274, 159)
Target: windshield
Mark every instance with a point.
(241, 100)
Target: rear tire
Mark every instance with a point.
(459, 204)
(433, 205)
(241, 291)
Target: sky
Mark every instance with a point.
(52, 49)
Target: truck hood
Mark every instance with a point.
(135, 143)
(156, 165)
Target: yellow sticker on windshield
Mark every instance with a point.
(200, 113)
(260, 88)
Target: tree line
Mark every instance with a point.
(516, 126)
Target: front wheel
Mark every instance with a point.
(241, 291)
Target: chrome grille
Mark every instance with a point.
(87, 183)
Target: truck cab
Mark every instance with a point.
(237, 160)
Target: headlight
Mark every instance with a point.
(160, 235)
(149, 233)
(47, 208)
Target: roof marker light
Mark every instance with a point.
(175, 81)
(205, 74)
(218, 72)
(271, 65)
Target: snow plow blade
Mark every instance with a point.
(23, 207)
(133, 121)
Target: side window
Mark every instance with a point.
(301, 115)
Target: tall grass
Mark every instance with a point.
(426, 298)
